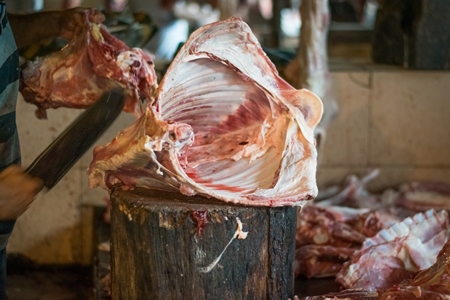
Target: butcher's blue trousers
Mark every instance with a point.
(6, 227)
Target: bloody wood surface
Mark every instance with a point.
(161, 246)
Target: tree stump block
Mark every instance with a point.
(170, 246)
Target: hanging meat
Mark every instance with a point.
(310, 67)
(93, 62)
(223, 124)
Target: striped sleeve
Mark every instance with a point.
(9, 86)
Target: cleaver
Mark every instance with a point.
(52, 164)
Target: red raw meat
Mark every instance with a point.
(421, 196)
(396, 253)
(320, 260)
(327, 236)
(224, 125)
(353, 193)
(323, 226)
(346, 295)
(92, 63)
(430, 284)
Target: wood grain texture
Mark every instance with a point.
(160, 245)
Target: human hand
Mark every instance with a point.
(72, 21)
(17, 191)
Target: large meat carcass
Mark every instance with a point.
(223, 124)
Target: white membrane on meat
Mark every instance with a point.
(223, 124)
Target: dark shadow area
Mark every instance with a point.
(28, 281)
(315, 286)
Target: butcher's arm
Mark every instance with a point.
(17, 192)
(33, 28)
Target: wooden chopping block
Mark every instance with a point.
(170, 246)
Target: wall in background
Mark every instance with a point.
(396, 121)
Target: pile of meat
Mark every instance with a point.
(92, 63)
(429, 284)
(223, 124)
(388, 246)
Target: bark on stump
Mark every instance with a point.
(163, 243)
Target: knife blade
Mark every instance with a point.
(57, 159)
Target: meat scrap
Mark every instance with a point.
(423, 195)
(346, 295)
(224, 124)
(320, 226)
(396, 253)
(353, 193)
(327, 236)
(316, 261)
(92, 63)
(392, 251)
(429, 284)
(342, 217)
(336, 225)
(432, 283)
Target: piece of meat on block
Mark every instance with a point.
(224, 125)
